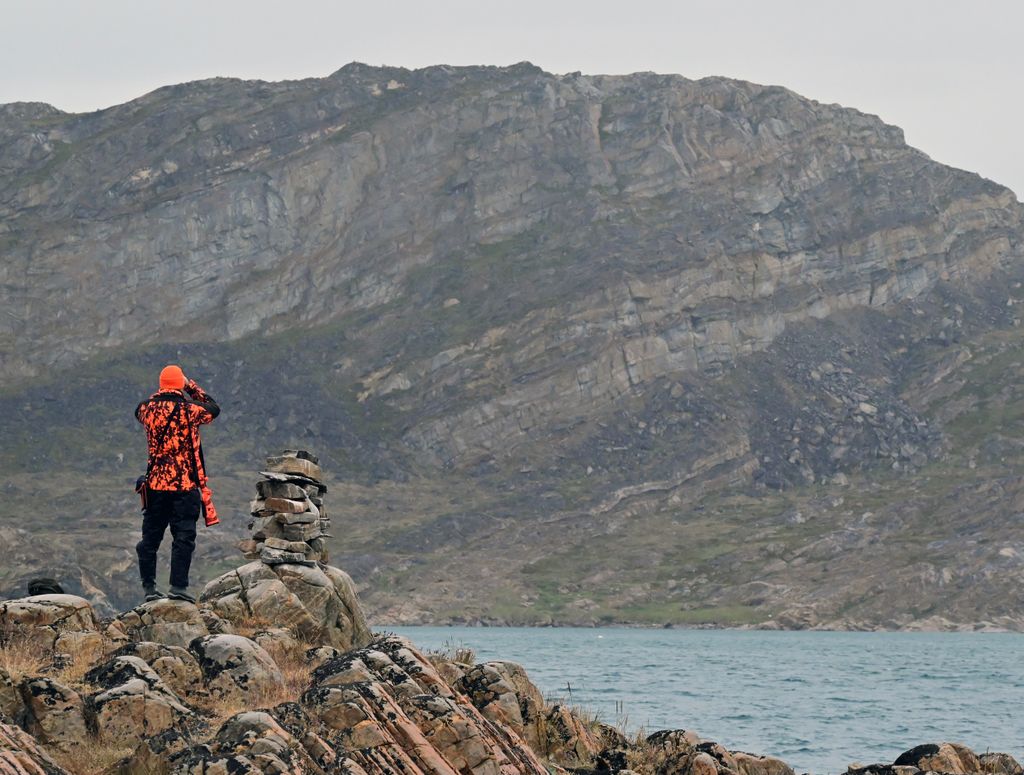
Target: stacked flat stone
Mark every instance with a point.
(289, 522)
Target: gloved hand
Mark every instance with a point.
(209, 510)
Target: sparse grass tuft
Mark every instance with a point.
(21, 658)
(295, 670)
(217, 710)
(249, 626)
(639, 754)
(589, 717)
(87, 656)
(94, 758)
(459, 653)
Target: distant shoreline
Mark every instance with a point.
(979, 628)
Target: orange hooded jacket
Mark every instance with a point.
(171, 419)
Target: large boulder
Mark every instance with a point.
(134, 702)
(50, 623)
(236, 668)
(171, 622)
(317, 603)
(54, 713)
(951, 758)
(21, 754)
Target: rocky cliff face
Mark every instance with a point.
(555, 315)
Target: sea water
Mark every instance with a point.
(818, 700)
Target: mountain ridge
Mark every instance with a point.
(554, 316)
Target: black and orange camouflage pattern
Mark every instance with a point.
(176, 464)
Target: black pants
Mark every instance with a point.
(180, 512)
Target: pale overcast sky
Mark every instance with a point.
(947, 72)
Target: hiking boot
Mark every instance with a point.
(177, 593)
(152, 593)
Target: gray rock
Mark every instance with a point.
(54, 713)
(277, 639)
(294, 465)
(254, 742)
(301, 532)
(135, 704)
(303, 518)
(272, 489)
(46, 621)
(272, 556)
(267, 527)
(235, 667)
(176, 666)
(297, 547)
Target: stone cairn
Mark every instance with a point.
(289, 523)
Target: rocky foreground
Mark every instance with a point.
(276, 671)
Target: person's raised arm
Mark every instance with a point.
(209, 409)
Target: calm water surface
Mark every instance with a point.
(818, 700)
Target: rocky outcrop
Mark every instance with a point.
(568, 739)
(317, 603)
(50, 623)
(505, 695)
(379, 709)
(1000, 764)
(21, 754)
(388, 705)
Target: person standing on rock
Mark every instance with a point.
(173, 489)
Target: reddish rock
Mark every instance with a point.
(20, 754)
